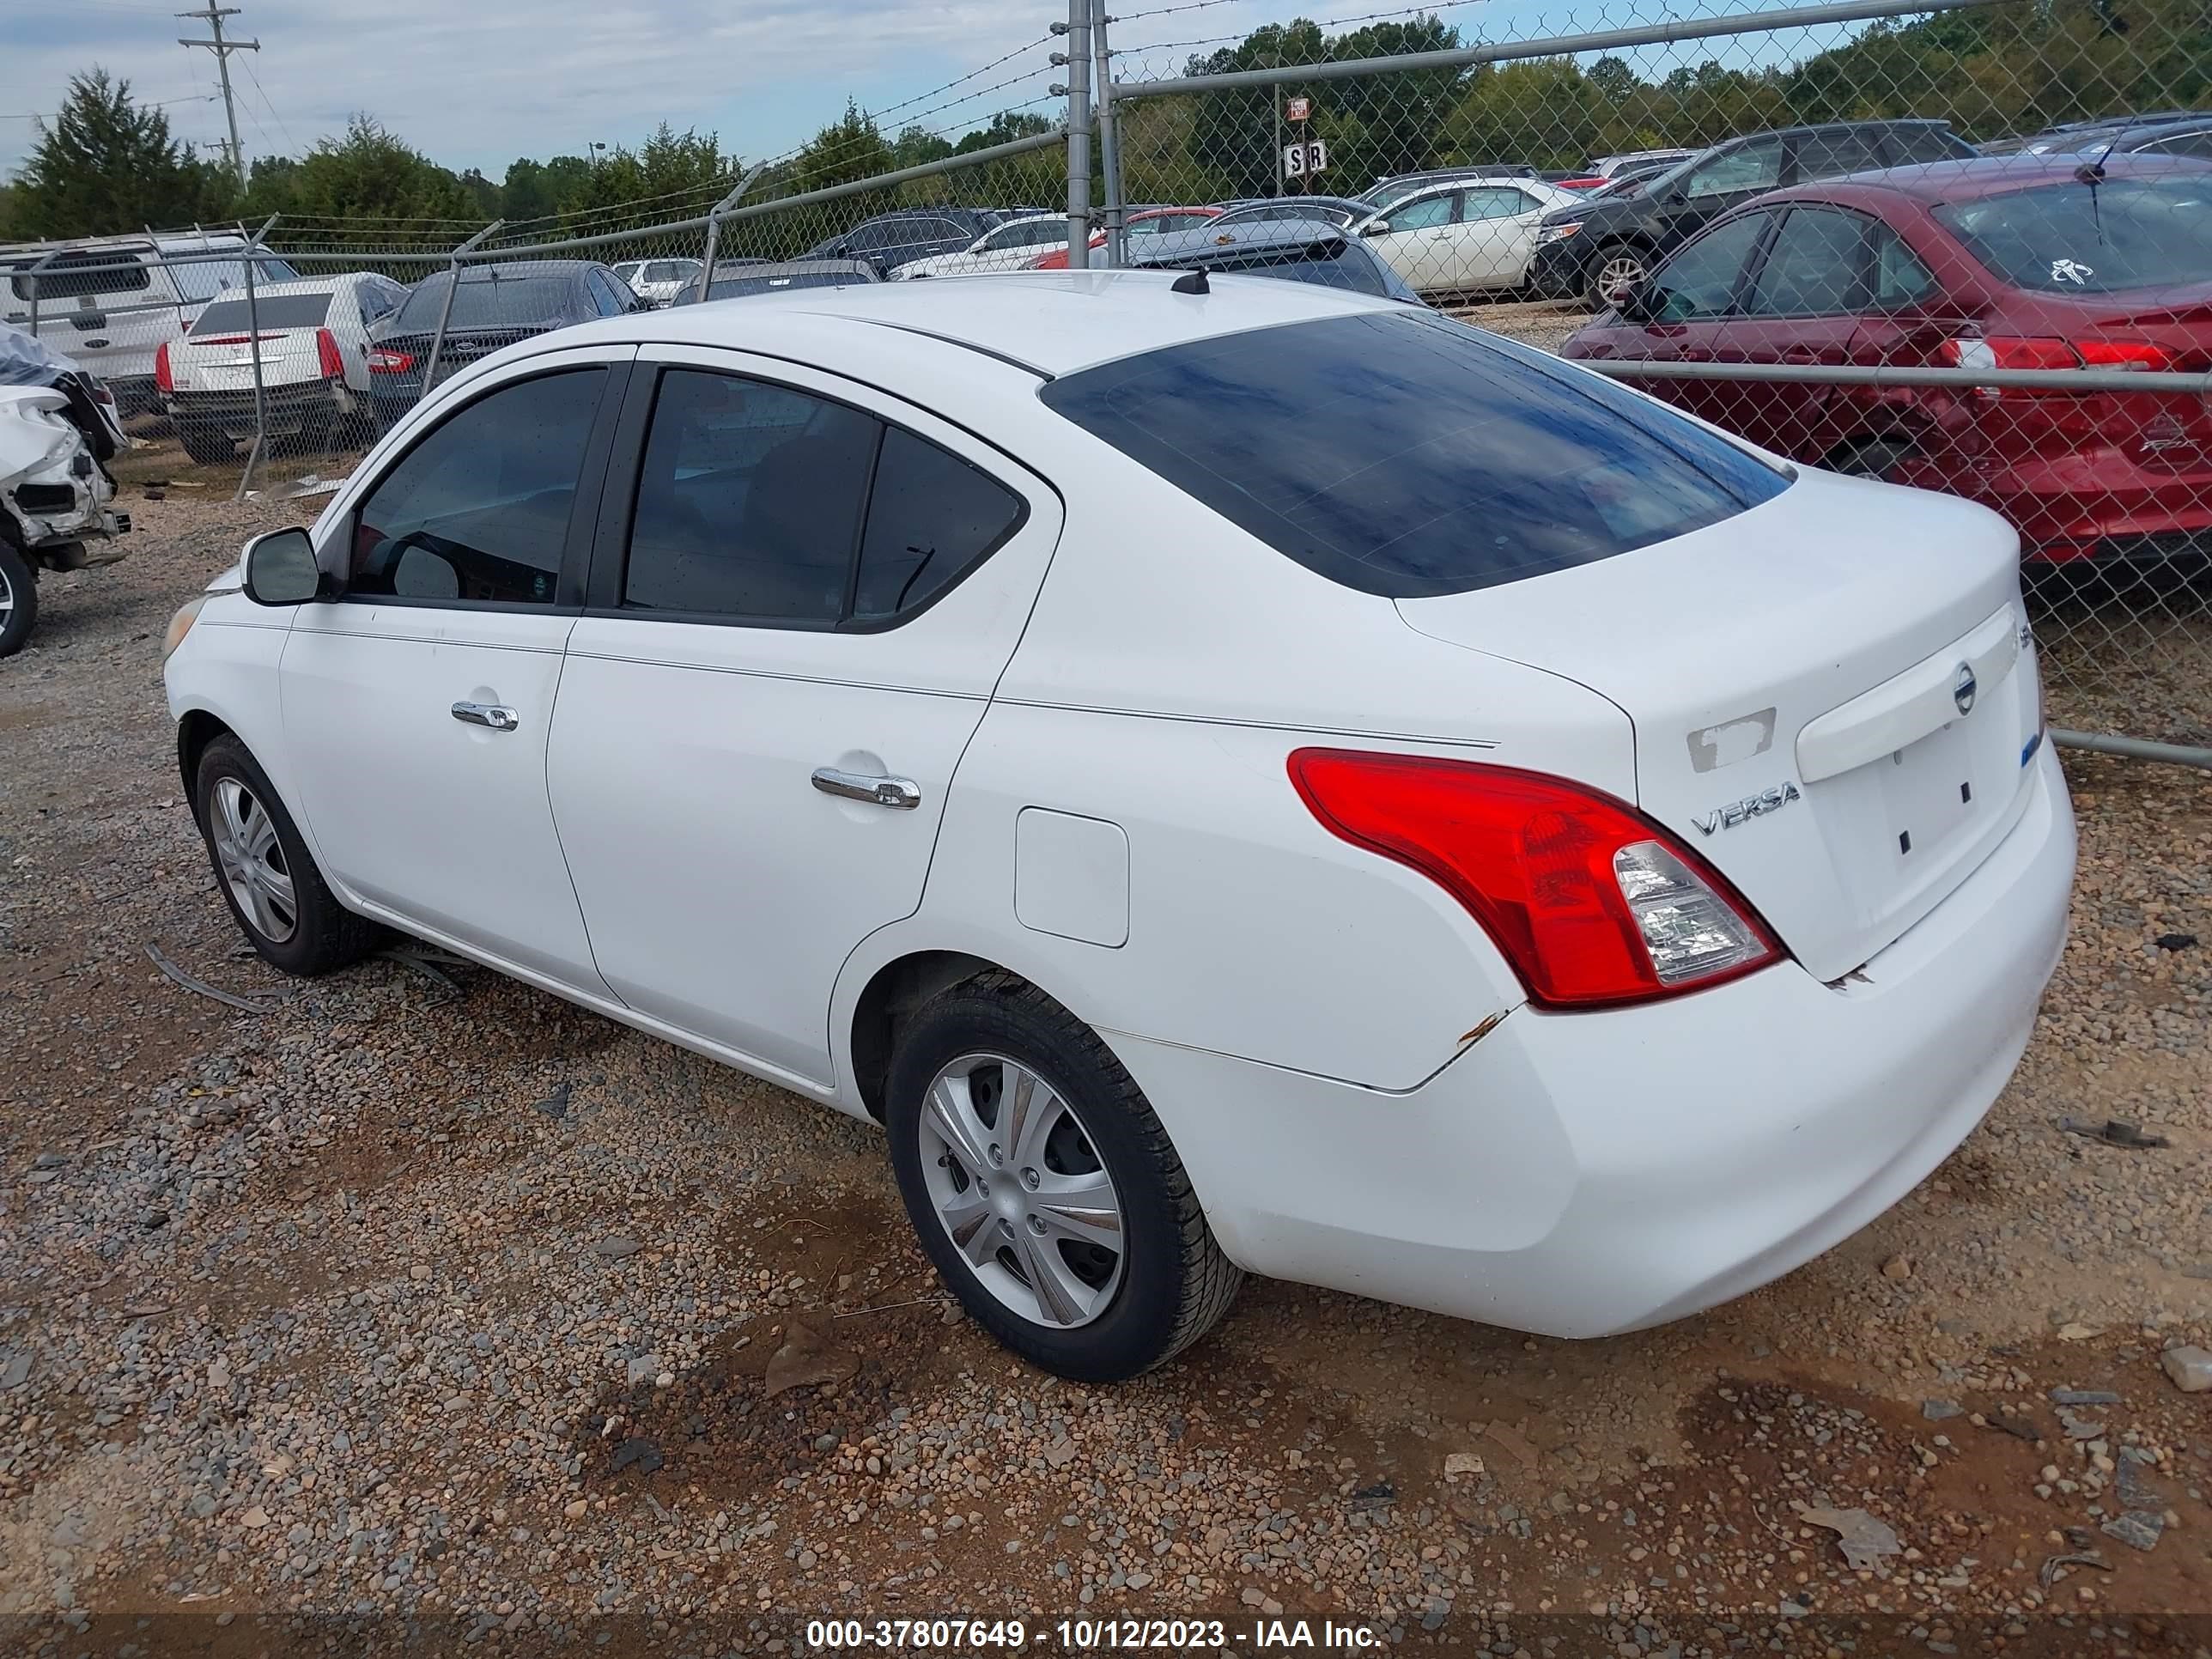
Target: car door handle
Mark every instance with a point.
(900, 794)
(494, 716)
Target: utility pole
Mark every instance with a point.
(213, 17)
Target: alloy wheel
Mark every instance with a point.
(1616, 271)
(252, 858)
(7, 598)
(1019, 1189)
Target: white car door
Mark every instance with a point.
(1422, 245)
(797, 615)
(1498, 233)
(416, 705)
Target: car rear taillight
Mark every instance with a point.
(1593, 905)
(164, 381)
(382, 361)
(2033, 351)
(327, 360)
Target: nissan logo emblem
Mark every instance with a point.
(1963, 687)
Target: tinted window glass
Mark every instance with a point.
(278, 311)
(930, 517)
(1753, 167)
(1899, 278)
(1407, 455)
(484, 300)
(1832, 154)
(479, 510)
(1700, 280)
(2198, 144)
(1925, 143)
(669, 270)
(1817, 266)
(739, 285)
(749, 502)
(1495, 204)
(1424, 215)
(64, 279)
(203, 282)
(2073, 239)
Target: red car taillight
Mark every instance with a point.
(2036, 352)
(163, 380)
(1591, 903)
(327, 360)
(384, 362)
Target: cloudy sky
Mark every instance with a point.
(478, 82)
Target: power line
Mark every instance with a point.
(165, 103)
(1323, 23)
(213, 17)
(290, 141)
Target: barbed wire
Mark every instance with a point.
(1320, 23)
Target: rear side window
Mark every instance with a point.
(278, 311)
(2077, 238)
(1405, 455)
(70, 276)
(765, 504)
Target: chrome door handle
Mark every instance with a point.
(493, 715)
(900, 794)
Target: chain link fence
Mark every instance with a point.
(2017, 310)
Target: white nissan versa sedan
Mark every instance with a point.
(1255, 779)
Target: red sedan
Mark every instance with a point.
(1149, 222)
(1995, 263)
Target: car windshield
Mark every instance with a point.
(1403, 454)
(2075, 237)
(235, 316)
(486, 302)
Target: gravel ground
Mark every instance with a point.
(429, 1308)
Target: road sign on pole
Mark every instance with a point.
(1298, 109)
(1304, 159)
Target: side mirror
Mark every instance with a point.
(281, 568)
(1375, 227)
(1640, 303)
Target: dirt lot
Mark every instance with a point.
(411, 1309)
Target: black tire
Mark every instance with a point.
(19, 591)
(1606, 271)
(1877, 457)
(1175, 1283)
(324, 935)
(208, 445)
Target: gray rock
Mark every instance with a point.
(2190, 1368)
(49, 1161)
(2138, 1528)
(643, 1368)
(17, 1373)
(2084, 1397)
(1935, 1410)
(615, 1247)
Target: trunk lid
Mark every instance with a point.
(224, 362)
(1798, 679)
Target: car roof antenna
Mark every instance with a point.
(1192, 282)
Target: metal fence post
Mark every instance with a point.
(249, 260)
(1110, 138)
(1078, 134)
(714, 226)
(445, 311)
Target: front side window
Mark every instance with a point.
(1753, 166)
(1817, 266)
(762, 503)
(1700, 280)
(477, 512)
(1424, 215)
(1403, 454)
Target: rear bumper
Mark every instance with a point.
(1582, 1174)
(2095, 502)
(296, 407)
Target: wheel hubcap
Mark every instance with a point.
(1618, 272)
(7, 599)
(252, 860)
(1047, 1242)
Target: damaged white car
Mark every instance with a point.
(58, 429)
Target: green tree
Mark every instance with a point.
(363, 187)
(672, 175)
(848, 148)
(107, 164)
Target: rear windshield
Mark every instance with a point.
(2075, 238)
(198, 282)
(1331, 264)
(64, 277)
(737, 286)
(485, 301)
(1403, 454)
(669, 270)
(278, 311)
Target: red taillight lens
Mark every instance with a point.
(1593, 905)
(327, 360)
(2029, 352)
(163, 380)
(381, 361)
